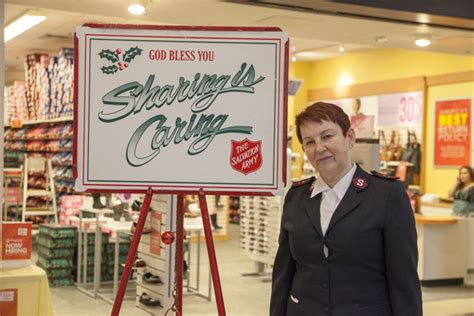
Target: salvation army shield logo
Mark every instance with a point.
(246, 155)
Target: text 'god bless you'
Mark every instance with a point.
(134, 97)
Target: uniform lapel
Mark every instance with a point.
(351, 199)
(312, 207)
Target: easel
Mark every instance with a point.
(132, 252)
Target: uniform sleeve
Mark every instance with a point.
(401, 254)
(283, 271)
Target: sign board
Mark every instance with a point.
(15, 250)
(9, 302)
(180, 109)
(400, 109)
(452, 133)
(363, 125)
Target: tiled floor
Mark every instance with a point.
(248, 296)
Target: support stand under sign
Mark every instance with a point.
(180, 110)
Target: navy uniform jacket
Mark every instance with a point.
(371, 269)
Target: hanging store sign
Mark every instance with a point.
(453, 133)
(400, 109)
(165, 107)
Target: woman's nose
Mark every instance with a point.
(319, 147)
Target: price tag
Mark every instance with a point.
(16, 123)
(7, 296)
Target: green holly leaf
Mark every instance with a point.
(130, 54)
(109, 69)
(109, 55)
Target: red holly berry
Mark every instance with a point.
(125, 65)
(118, 51)
(120, 64)
(167, 237)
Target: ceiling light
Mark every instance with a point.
(293, 59)
(136, 8)
(310, 54)
(341, 48)
(422, 40)
(381, 39)
(22, 24)
(344, 79)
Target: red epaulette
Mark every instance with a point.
(384, 176)
(302, 182)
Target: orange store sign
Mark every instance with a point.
(453, 133)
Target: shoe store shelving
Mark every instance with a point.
(234, 210)
(49, 140)
(152, 296)
(260, 219)
(38, 115)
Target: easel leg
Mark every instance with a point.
(212, 255)
(179, 254)
(132, 252)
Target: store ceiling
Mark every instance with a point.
(313, 36)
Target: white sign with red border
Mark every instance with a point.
(180, 109)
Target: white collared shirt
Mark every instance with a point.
(331, 197)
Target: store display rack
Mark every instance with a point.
(260, 219)
(51, 139)
(234, 210)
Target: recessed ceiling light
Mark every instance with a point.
(341, 48)
(293, 59)
(136, 8)
(422, 40)
(23, 23)
(381, 39)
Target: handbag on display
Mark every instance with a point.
(412, 151)
(412, 154)
(383, 146)
(394, 150)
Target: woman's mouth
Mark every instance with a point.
(324, 158)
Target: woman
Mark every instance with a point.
(463, 192)
(348, 242)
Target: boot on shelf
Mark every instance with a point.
(96, 201)
(214, 221)
(108, 201)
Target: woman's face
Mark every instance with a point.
(464, 176)
(327, 148)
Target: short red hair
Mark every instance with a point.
(323, 111)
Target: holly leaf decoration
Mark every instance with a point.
(109, 69)
(109, 55)
(130, 54)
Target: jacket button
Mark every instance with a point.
(326, 309)
(324, 261)
(325, 285)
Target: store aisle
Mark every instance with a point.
(247, 296)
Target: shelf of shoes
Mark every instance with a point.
(46, 95)
(216, 206)
(56, 245)
(15, 103)
(155, 280)
(52, 140)
(260, 219)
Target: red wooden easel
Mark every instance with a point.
(132, 252)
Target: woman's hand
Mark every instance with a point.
(454, 187)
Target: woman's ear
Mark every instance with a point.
(351, 136)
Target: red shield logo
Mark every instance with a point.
(246, 156)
